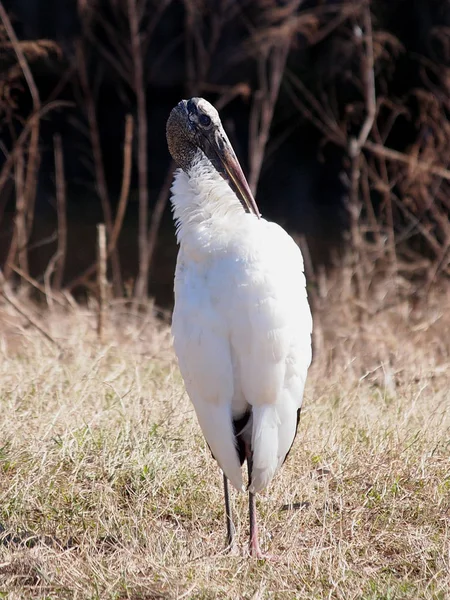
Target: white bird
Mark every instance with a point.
(241, 323)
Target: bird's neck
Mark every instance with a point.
(202, 200)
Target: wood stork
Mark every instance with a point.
(241, 323)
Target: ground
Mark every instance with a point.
(108, 490)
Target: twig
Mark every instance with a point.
(356, 144)
(37, 285)
(28, 186)
(157, 213)
(200, 49)
(123, 200)
(19, 240)
(316, 113)
(5, 293)
(21, 207)
(101, 280)
(308, 263)
(264, 106)
(20, 142)
(100, 176)
(139, 90)
(49, 270)
(355, 148)
(60, 185)
(375, 226)
(32, 174)
(20, 57)
(386, 190)
(407, 160)
(126, 181)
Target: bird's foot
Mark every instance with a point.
(256, 552)
(260, 555)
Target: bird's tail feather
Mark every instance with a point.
(217, 426)
(265, 445)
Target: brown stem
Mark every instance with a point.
(126, 181)
(419, 165)
(139, 89)
(21, 207)
(28, 191)
(369, 86)
(7, 295)
(157, 213)
(20, 142)
(101, 280)
(31, 175)
(19, 239)
(355, 150)
(56, 298)
(263, 108)
(60, 185)
(123, 200)
(20, 57)
(100, 176)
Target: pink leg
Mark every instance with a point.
(254, 548)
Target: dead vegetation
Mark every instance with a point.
(107, 488)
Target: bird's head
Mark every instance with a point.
(195, 125)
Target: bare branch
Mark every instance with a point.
(139, 90)
(157, 213)
(354, 149)
(55, 297)
(100, 177)
(369, 87)
(28, 189)
(21, 140)
(407, 160)
(263, 107)
(21, 58)
(123, 200)
(60, 185)
(8, 296)
(101, 279)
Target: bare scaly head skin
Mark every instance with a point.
(194, 125)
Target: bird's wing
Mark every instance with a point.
(272, 339)
(202, 346)
(270, 316)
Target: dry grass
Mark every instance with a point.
(107, 489)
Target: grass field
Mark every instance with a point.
(108, 491)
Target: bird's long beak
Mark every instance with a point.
(238, 181)
(231, 167)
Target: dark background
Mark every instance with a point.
(223, 50)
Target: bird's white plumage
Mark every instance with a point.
(241, 323)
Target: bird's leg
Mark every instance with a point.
(255, 550)
(230, 524)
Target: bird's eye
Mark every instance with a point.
(204, 120)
